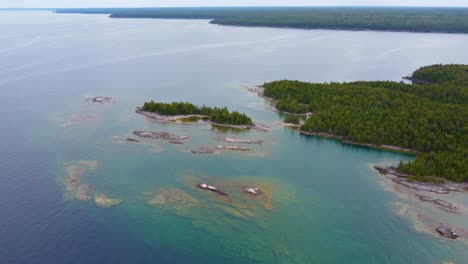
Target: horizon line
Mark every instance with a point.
(154, 7)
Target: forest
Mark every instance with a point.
(429, 118)
(216, 114)
(413, 19)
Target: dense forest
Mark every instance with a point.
(430, 118)
(292, 119)
(216, 114)
(449, 20)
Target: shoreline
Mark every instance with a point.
(431, 207)
(202, 120)
(343, 140)
(259, 90)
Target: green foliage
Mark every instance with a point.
(447, 74)
(293, 119)
(451, 20)
(432, 119)
(291, 106)
(217, 115)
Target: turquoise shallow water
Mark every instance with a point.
(326, 206)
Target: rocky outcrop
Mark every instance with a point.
(252, 190)
(203, 150)
(207, 187)
(444, 205)
(100, 99)
(160, 135)
(243, 141)
(389, 170)
(234, 148)
(439, 188)
(447, 232)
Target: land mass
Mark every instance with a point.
(191, 113)
(411, 19)
(428, 119)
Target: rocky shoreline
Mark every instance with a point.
(351, 142)
(171, 119)
(200, 120)
(438, 188)
(260, 91)
(435, 194)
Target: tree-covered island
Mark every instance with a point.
(215, 114)
(431, 119)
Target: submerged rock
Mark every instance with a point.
(171, 196)
(203, 150)
(447, 206)
(104, 201)
(76, 170)
(66, 120)
(235, 148)
(132, 140)
(447, 232)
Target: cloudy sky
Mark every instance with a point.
(156, 3)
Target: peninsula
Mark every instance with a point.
(428, 119)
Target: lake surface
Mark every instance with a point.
(326, 204)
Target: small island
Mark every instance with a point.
(185, 112)
(428, 118)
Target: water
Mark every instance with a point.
(328, 206)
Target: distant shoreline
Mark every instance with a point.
(448, 20)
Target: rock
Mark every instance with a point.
(390, 170)
(177, 142)
(132, 140)
(211, 188)
(447, 232)
(235, 148)
(254, 191)
(203, 150)
(243, 141)
(381, 169)
(100, 99)
(447, 206)
(160, 135)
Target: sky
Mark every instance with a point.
(170, 3)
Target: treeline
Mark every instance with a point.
(449, 20)
(292, 119)
(432, 119)
(216, 114)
